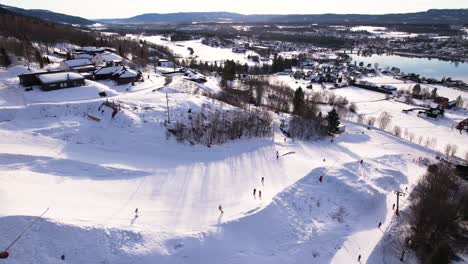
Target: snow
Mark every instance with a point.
(77, 62)
(108, 70)
(202, 52)
(92, 175)
(59, 77)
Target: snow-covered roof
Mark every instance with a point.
(109, 70)
(110, 57)
(125, 73)
(77, 62)
(128, 74)
(83, 56)
(58, 77)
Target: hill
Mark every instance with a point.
(50, 16)
(432, 16)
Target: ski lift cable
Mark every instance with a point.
(26, 229)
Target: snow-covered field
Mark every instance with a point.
(202, 52)
(93, 175)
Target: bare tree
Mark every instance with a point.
(448, 149)
(360, 119)
(453, 151)
(384, 120)
(397, 131)
(353, 108)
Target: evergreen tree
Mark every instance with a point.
(333, 120)
(298, 101)
(229, 71)
(39, 58)
(417, 90)
(434, 93)
(4, 59)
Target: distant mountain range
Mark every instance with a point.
(432, 16)
(50, 16)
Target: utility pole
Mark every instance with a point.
(398, 194)
(167, 104)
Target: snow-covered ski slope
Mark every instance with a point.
(92, 175)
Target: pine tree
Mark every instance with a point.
(298, 101)
(4, 59)
(39, 58)
(333, 120)
(417, 90)
(434, 93)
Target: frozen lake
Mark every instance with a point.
(430, 68)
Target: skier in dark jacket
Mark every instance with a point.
(136, 213)
(221, 209)
(260, 194)
(255, 190)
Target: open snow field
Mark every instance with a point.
(92, 175)
(201, 52)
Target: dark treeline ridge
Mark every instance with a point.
(19, 32)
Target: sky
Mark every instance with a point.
(127, 8)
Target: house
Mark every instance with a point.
(125, 75)
(442, 102)
(309, 65)
(107, 59)
(30, 79)
(77, 65)
(83, 56)
(166, 63)
(389, 88)
(239, 50)
(106, 72)
(60, 80)
(93, 50)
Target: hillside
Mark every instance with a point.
(49, 16)
(442, 16)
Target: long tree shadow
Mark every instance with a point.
(66, 167)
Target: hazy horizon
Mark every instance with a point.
(124, 8)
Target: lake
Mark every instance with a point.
(429, 68)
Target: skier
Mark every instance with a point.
(380, 223)
(362, 161)
(323, 160)
(263, 179)
(255, 190)
(62, 257)
(221, 209)
(393, 207)
(359, 258)
(260, 194)
(321, 178)
(277, 155)
(136, 213)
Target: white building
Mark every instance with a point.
(165, 63)
(108, 59)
